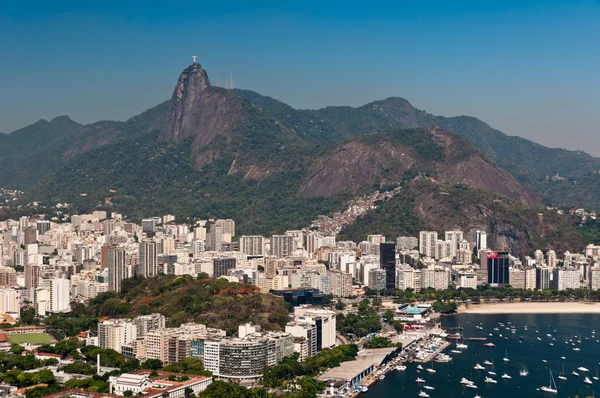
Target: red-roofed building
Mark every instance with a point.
(4, 343)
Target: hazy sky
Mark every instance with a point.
(528, 68)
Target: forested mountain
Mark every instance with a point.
(235, 153)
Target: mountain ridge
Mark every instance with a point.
(213, 152)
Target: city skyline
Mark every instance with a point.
(524, 68)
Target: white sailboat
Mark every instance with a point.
(562, 375)
(478, 367)
(551, 385)
(596, 377)
(505, 359)
(505, 376)
(431, 369)
(490, 380)
(587, 380)
(492, 372)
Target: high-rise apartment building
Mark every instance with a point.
(227, 226)
(10, 302)
(60, 295)
(117, 267)
(428, 243)
(221, 266)
(214, 237)
(115, 333)
(148, 258)
(481, 240)
(341, 283)
(377, 279)
(282, 245)
(551, 259)
(566, 279)
(8, 276)
(542, 277)
(252, 245)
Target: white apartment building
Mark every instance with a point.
(282, 245)
(435, 278)
(566, 279)
(252, 245)
(428, 243)
(60, 295)
(87, 289)
(325, 319)
(406, 277)
(466, 280)
(594, 278)
(10, 301)
(115, 333)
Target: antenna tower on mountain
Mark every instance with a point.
(218, 79)
(231, 84)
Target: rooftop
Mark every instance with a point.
(346, 371)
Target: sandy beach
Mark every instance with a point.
(532, 308)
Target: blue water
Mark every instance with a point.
(526, 355)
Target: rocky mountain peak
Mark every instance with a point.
(198, 110)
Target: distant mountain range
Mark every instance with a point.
(235, 153)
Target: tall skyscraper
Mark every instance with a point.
(148, 259)
(117, 269)
(498, 266)
(387, 261)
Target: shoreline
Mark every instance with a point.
(578, 307)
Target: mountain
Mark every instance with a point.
(530, 163)
(103, 133)
(212, 152)
(30, 151)
(427, 204)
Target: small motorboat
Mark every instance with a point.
(490, 380)
(582, 369)
(419, 380)
(523, 373)
(423, 394)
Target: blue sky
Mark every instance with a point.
(528, 68)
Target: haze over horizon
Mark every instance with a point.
(526, 68)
